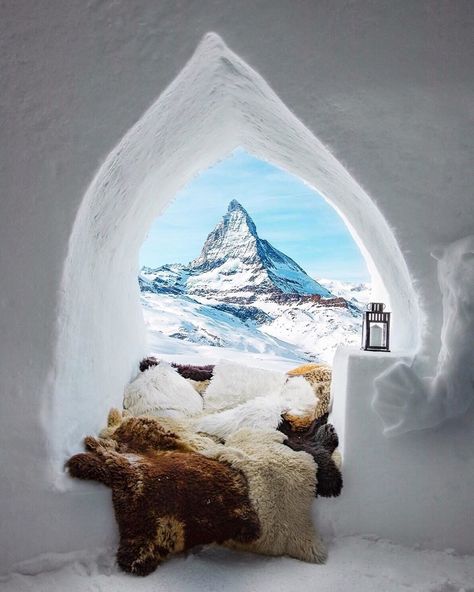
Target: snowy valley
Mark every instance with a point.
(248, 299)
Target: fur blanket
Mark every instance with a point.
(168, 502)
(237, 397)
(148, 433)
(252, 493)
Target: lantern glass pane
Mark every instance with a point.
(377, 335)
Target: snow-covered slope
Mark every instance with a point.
(356, 293)
(243, 295)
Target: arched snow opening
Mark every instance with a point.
(215, 104)
(209, 281)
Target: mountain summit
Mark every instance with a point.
(235, 265)
(234, 237)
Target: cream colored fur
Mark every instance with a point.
(281, 487)
(199, 386)
(161, 391)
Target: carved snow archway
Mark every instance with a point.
(215, 104)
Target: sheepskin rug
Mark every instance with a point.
(166, 502)
(237, 397)
(282, 487)
(252, 493)
(161, 391)
(233, 384)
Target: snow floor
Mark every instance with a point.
(355, 564)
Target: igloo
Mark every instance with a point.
(72, 327)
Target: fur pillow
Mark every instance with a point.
(318, 376)
(233, 384)
(259, 413)
(161, 391)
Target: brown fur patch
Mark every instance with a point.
(165, 501)
(319, 376)
(144, 434)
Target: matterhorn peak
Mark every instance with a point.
(235, 205)
(237, 215)
(234, 250)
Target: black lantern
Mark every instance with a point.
(376, 328)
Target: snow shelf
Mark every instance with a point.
(414, 490)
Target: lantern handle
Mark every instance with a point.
(376, 306)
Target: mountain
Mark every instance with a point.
(244, 295)
(235, 265)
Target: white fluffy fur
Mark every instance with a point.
(296, 397)
(260, 413)
(238, 397)
(161, 391)
(232, 384)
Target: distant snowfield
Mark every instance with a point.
(355, 564)
(191, 330)
(208, 335)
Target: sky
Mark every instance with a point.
(287, 213)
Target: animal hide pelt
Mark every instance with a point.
(233, 384)
(259, 413)
(281, 482)
(282, 486)
(167, 502)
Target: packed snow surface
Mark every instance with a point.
(355, 564)
(404, 400)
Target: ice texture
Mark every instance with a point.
(406, 401)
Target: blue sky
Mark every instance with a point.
(287, 213)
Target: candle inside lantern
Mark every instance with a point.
(376, 336)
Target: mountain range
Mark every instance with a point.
(240, 283)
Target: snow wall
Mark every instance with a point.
(387, 93)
